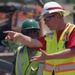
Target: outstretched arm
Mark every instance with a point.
(58, 55)
(15, 36)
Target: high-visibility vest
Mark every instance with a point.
(62, 66)
(23, 66)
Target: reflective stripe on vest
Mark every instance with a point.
(61, 67)
(48, 67)
(20, 61)
(65, 67)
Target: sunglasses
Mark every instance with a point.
(27, 32)
(48, 18)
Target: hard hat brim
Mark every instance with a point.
(65, 12)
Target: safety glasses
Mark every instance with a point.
(27, 32)
(48, 18)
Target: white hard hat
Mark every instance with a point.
(52, 7)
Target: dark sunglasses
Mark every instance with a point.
(27, 32)
(48, 18)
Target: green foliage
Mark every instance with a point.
(12, 46)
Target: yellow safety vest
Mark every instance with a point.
(62, 66)
(23, 66)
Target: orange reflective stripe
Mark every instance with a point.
(48, 67)
(65, 67)
(66, 63)
(48, 70)
(49, 64)
(60, 67)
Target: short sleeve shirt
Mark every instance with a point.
(71, 41)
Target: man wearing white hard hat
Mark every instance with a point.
(59, 44)
(52, 7)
